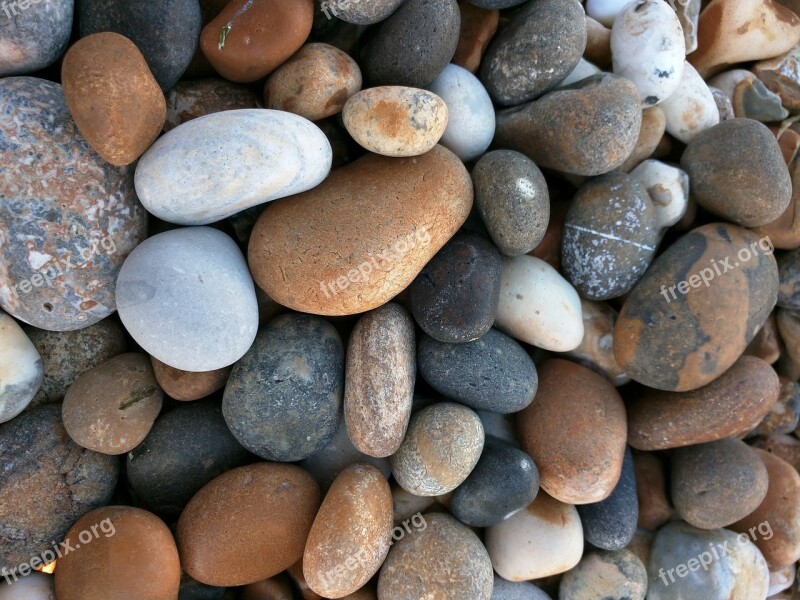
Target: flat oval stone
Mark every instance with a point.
(681, 341)
(111, 408)
(513, 200)
(188, 385)
(269, 154)
(34, 39)
(169, 292)
(575, 431)
(63, 251)
(21, 371)
(264, 509)
(535, 51)
(48, 483)
(478, 26)
(516, 590)
(395, 121)
(596, 350)
(364, 12)
(442, 446)
(137, 542)
(166, 32)
(284, 397)
(447, 559)
(379, 380)
(592, 126)
(186, 448)
(351, 534)
(358, 258)
(189, 100)
(491, 373)
(607, 575)
(691, 109)
(414, 45)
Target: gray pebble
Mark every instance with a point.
(33, 37)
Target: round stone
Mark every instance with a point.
(189, 100)
(188, 385)
(608, 575)
(363, 12)
(516, 590)
(21, 371)
(34, 39)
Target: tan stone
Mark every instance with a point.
(654, 124)
(654, 507)
(188, 385)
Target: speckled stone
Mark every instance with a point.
(668, 187)
(478, 26)
(61, 251)
(189, 100)
(596, 349)
(48, 483)
(363, 12)
(691, 108)
(785, 413)
(34, 37)
(21, 371)
(454, 298)
(591, 126)
(170, 292)
(186, 448)
(166, 32)
(513, 200)
(444, 560)
(616, 575)
(516, 590)
(491, 373)
(535, 51)
(188, 385)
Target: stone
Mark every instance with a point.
(591, 126)
(351, 534)
(781, 579)
(596, 349)
(545, 538)
(186, 448)
(616, 574)
(491, 373)
(48, 483)
(717, 483)
(248, 40)
(406, 504)
(268, 155)
(724, 105)
(691, 108)
(788, 322)
(784, 232)
(688, 12)
(692, 337)
(444, 560)
(440, 450)
(549, 249)
(598, 44)
(654, 507)
(58, 277)
(604, 11)
(395, 120)
(21, 371)
(766, 343)
(274, 588)
(169, 292)
(654, 123)
(497, 4)
(264, 509)
(575, 431)
(535, 51)
(380, 373)
(364, 12)
(513, 200)
(189, 100)
(137, 542)
(610, 236)
(789, 273)
(752, 100)
(454, 298)
(785, 413)
(359, 258)
(314, 83)
(284, 397)
(34, 39)
(188, 385)
(111, 408)
(34, 586)
(582, 70)
(478, 26)
(519, 590)
(781, 75)
(786, 447)
(668, 188)
(165, 32)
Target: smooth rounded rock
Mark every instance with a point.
(655, 509)
(34, 37)
(516, 590)
(596, 349)
(189, 100)
(605, 11)
(188, 385)
(654, 124)
(668, 188)
(478, 26)
(363, 12)
(21, 371)
(691, 108)
(615, 575)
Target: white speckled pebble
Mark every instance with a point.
(668, 187)
(21, 370)
(691, 108)
(218, 165)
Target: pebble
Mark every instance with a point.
(264, 510)
(48, 483)
(64, 275)
(443, 560)
(136, 542)
(380, 373)
(351, 534)
(34, 38)
(766, 344)
(691, 108)
(504, 481)
(751, 99)
(693, 337)
(274, 588)
(654, 124)
(788, 322)
(598, 44)
(781, 75)
(668, 187)
(491, 373)
(314, 83)
(497, 4)
(535, 51)
(165, 32)
(35, 586)
(186, 448)
(440, 450)
(544, 539)
(784, 417)
(186, 297)
(653, 62)
(581, 71)
(789, 273)
(717, 483)
(596, 350)
(605, 11)
(188, 385)
(575, 431)
(189, 100)
(784, 232)
(538, 306)
(360, 258)
(612, 575)
(516, 590)
(478, 26)
(111, 408)
(733, 403)
(414, 45)
(248, 40)
(655, 509)
(363, 12)
(591, 126)
(723, 103)
(396, 120)
(610, 236)
(284, 397)
(21, 371)
(268, 155)
(513, 200)
(688, 12)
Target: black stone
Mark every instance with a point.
(194, 590)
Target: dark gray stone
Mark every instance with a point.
(34, 37)
(497, 4)
(360, 13)
(789, 274)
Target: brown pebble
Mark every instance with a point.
(789, 327)
(598, 44)
(596, 350)
(478, 26)
(188, 385)
(654, 507)
(784, 232)
(191, 99)
(274, 588)
(786, 447)
(296, 573)
(654, 123)
(783, 416)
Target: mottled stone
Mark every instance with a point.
(478, 26)
(363, 12)
(188, 385)
(786, 447)
(785, 413)
(596, 349)
(21, 371)
(752, 100)
(189, 100)
(668, 188)
(781, 75)
(609, 575)
(34, 37)
(766, 343)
